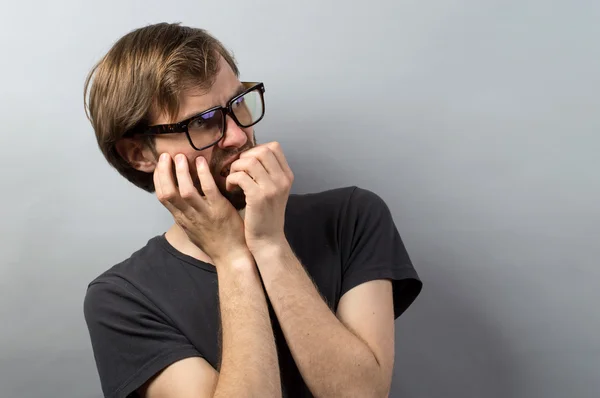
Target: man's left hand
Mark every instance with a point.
(265, 177)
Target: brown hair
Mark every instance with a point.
(147, 70)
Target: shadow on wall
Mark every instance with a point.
(449, 345)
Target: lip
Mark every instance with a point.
(229, 162)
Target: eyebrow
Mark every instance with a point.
(241, 88)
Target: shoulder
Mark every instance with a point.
(123, 282)
(336, 196)
(342, 202)
(335, 199)
(311, 198)
(139, 262)
(129, 314)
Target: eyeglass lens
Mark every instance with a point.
(208, 127)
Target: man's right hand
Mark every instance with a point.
(210, 221)
(249, 363)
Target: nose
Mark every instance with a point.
(235, 136)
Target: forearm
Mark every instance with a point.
(332, 360)
(249, 365)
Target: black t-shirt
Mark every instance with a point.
(160, 306)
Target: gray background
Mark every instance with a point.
(477, 122)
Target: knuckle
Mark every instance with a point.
(208, 190)
(285, 181)
(270, 193)
(187, 194)
(252, 162)
(167, 195)
(170, 194)
(161, 198)
(286, 186)
(237, 163)
(275, 145)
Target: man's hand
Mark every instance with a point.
(249, 364)
(210, 221)
(266, 178)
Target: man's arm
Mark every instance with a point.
(349, 356)
(352, 355)
(249, 364)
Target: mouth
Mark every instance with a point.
(227, 166)
(225, 171)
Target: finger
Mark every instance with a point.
(187, 190)
(157, 187)
(254, 168)
(167, 191)
(207, 182)
(160, 193)
(266, 156)
(281, 159)
(243, 180)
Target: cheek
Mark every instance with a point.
(172, 144)
(179, 144)
(191, 154)
(249, 132)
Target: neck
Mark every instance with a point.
(177, 238)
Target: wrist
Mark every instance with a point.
(272, 250)
(237, 259)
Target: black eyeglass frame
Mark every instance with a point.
(182, 127)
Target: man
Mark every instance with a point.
(253, 292)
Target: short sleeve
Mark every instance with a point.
(372, 249)
(131, 339)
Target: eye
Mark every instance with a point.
(238, 102)
(196, 123)
(203, 120)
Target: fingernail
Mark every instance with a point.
(163, 157)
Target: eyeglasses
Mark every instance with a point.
(207, 128)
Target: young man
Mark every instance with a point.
(253, 292)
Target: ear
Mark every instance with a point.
(138, 155)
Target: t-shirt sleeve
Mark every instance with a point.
(131, 339)
(372, 249)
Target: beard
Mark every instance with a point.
(236, 197)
